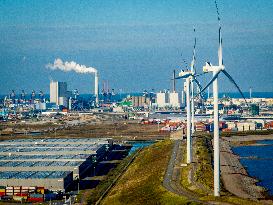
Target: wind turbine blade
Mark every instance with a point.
(220, 51)
(197, 83)
(218, 14)
(233, 81)
(193, 55)
(199, 86)
(186, 64)
(210, 82)
(179, 77)
(199, 74)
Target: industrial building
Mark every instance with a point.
(59, 93)
(162, 99)
(174, 100)
(58, 181)
(169, 99)
(49, 163)
(141, 101)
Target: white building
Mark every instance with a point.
(183, 98)
(161, 99)
(174, 100)
(246, 126)
(58, 91)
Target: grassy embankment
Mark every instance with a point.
(203, 175)
(93, 195)
(142, 182)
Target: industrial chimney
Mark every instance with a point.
(96, 91)
(174, 89)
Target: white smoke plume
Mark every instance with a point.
(70, 66)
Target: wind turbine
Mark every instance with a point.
(193, 70)
(216, 70)
(190, 77)
(187, 75)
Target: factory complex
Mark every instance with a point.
(49, 163)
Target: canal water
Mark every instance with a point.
(139, 144)
(260, 162)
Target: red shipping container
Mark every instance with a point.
(21, 194)
(2, 193)
(30, 199)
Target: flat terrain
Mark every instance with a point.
(117, 129)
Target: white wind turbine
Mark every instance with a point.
(190, 77)
(193, 70)
(216, 70)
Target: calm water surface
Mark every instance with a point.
(260, 167)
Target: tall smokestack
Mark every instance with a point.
(96, 91)
(59, 64)
(174, 81)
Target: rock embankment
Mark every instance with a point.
(235, 176)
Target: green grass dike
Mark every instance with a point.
(142, 182)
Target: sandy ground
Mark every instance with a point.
(234, 175)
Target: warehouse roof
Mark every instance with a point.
(31, 175)
(38, 163)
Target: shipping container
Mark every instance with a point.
(259, 125)
(6, 197)
(21, 194)
(50, 196)
(24, 196)
(30, 199)
(36, 195)
(40, 190)
(18, 198)
(231, 125)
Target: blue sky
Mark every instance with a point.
(135, 45)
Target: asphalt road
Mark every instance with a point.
(172, 176)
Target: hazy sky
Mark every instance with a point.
(134, 44)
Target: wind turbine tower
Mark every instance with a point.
(190, 76)
(216, 70)
(193, 71)
(187, 75)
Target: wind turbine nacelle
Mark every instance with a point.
(185, 74)
(207, 67)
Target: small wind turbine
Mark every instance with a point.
(216, 70)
